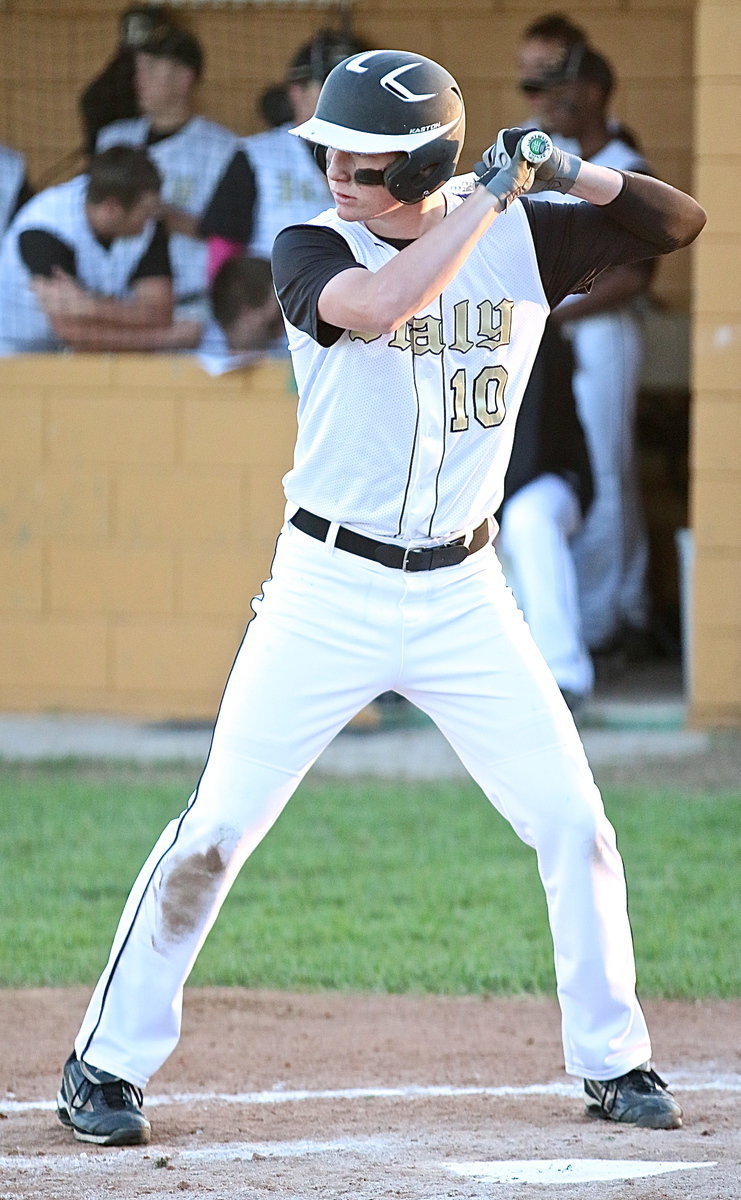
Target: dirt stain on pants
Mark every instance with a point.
(187, 893)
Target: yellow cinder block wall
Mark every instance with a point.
(716, 417)
(139, 504)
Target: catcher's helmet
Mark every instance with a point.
(389, 100)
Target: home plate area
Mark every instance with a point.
(292, 1097)
(566, 1170)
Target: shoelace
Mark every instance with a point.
(640, 1079)
(645, 1081)
(117, 1094)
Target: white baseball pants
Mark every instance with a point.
(611, 548)
(535, 529)
(331, 632)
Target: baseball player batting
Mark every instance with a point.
(413, 318)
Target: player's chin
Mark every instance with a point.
(345, 205)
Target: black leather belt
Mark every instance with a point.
(412, 558)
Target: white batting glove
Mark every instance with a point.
(504, 171)
(554, 170)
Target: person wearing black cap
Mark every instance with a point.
(208, 188)
(290, 186)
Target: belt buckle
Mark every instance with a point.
(408, 559)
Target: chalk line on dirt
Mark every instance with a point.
(685, 1082)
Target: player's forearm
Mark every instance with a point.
(381, 301)
(137, 313)
(91, 336)
(598, 185)
(178, 221)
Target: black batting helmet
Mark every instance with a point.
(389, 100)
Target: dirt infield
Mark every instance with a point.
(368, 1097)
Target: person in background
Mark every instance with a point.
(273, 106)
(15, 188)
(289, 185)
(611, 549)
(85, 265)
(207, 186)
(111, 96)
(246, 319)
(547, 491)
(542, 52)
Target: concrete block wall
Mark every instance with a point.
(139, 504)
(716, 416)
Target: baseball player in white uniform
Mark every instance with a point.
(611, 550)
(85, 264)
(548, 488)
(413, 318)
(290, 188)
(207, 187)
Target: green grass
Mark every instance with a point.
(361, 886)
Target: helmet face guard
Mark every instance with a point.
(386, 101)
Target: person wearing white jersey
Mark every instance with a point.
(85, 265)
(15, 189)
(413, 317)
(289, 185)
(207, 188)
(548, 489)
(611, 549)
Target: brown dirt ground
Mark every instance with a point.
(237, 1041)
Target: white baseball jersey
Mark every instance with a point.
(611, 549)
(291, 188)
(60, 211)
(12, 174)
(443, 394)
(192, 161)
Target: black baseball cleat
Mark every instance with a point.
(101, 1108)
(639, 1097)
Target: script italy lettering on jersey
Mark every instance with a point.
(492, 331)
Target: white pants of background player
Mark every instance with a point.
(535, 529)
(332, 631)
(611, 548)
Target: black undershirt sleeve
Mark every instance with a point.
(42, 251)
(155, 260)
(576, 242)
(230, 212)
(304, 259)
